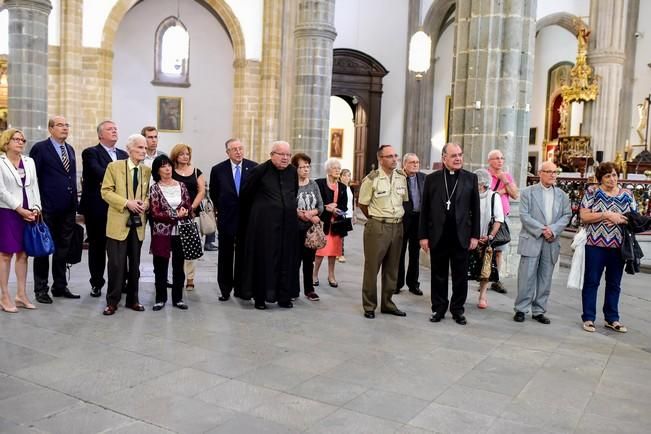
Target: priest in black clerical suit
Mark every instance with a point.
(269, 229)
(449, 227)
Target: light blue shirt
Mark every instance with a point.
(57, 148)
(111, 151)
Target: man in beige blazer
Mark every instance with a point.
(125, 189)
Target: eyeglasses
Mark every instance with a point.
(235, 149)
(18, 139)
(550, 172)
(389, 156)
(282, 154)
(60, 125)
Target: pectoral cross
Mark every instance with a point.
(447, 205)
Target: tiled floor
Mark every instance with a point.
(321, 367)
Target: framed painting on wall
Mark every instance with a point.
(170, 114)
(336, 142)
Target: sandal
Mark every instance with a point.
(189, 285)
(615, 325)
(588, 326)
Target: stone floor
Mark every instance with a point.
(321, 367)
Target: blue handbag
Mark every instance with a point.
(37, 239)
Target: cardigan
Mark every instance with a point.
(164, 219)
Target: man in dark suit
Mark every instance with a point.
(57, 181)
(226, 179)
(94, 162)
(415, 183)
(449, 226)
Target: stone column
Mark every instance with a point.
(315, 34)
(607, 56)
(27, 74)
(270, 72)
(70, 69)
(492, 81)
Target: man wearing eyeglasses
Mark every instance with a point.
(56, 169)
(151, 136)
(544, 212)
(226, 180)
(501, 183)
(449, 227)
(381, 196)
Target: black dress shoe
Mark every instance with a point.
(95, 291)
(369, 314)
(65, 294)
(224, 297)
(518, 317)
(436, 318)
(460, 319)
(286, 304)
(416, 291)
(261, 306)
(396, 312)
(396, 291)
(542, 319)
(169, 285)
(43, 297)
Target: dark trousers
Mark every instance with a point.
(409, 238)
(121, 253)
(161, 267)
(449, 254)
(61, 227)
(306, 257)
(96, 231)
(229, 273)
(596, 260)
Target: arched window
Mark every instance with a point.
(172, 54)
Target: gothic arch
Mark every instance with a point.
(357, 78)
(222, 11)
(561, 19)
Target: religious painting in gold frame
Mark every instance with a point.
(170, 114)
(336, 142)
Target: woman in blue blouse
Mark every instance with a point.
(602, 211)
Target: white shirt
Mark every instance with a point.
(548, 202)
(173, 197)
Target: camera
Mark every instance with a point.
(135, 221)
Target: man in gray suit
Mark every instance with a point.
(544, 213)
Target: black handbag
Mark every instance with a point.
(37, 239)
(503, 235)
(476, 260)
(76, 245)
(341, 226)
(190, 239)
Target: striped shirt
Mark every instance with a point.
(599, 233)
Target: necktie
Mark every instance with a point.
(135, 181)
(64, 158)
(415, 194)
(238, 178)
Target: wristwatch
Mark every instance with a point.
(490, 237)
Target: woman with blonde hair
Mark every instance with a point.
(195, 182)
(20, 202)
(335, 200)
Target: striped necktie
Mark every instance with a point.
(64, 158)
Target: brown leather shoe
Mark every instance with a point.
(137, 307)
(110, 310)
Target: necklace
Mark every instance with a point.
(447, 193)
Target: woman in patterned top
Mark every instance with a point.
(602, 211)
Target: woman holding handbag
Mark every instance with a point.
(335, 200)
(169, 201)
(195, 182)
(491, 217)
(309, 206)
(20, 202)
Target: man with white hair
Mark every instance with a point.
(501, 183)
(269, 229)
(125, 189)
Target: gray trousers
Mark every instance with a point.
(535, 281)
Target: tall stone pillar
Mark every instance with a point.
(270, 72)
(607, 56)
(315, 34)
(27, 73)
(70, 69)
(492, 82)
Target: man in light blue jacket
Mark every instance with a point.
(544, 212)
